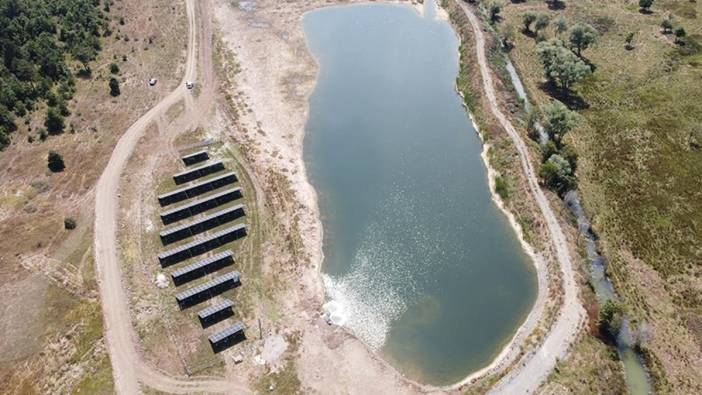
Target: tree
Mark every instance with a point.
(645, 5)
(561, 25)
(667, 26)
(55, 162)
(54, 121)
(581, 36)
(114, 87)
(558, 120)
(557, 174)
(494, 10)
(542, 22)
(610, 319)
(561, 66)
(629, 39)
(69, 223)
(527, 19)
(680, 34)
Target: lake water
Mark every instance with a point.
(419, 262)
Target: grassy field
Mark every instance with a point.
(638, 140)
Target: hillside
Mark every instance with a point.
(637, 139)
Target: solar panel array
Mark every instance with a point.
(194, 291)
(218, 312)
(195, 157)
(209, 311)
(233, 330)
(197, 189)
(200, 225)
(198, 206)
(197, 172)
(202, 267)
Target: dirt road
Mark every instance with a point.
(535, 367)
(129, 370)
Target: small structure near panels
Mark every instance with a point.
(214, 314)
(200, 205)
(202, 267)
(199, 247)
(197, 189)
(203, 224)
(197, 172)
(208, 290)
(226, 338)
(195, 157)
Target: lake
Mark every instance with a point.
(419, 262)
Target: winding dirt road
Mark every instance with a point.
(535, 367)
(129, 370)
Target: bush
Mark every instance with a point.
(501, 187)
(645, 5)
(542, 22)
(69, 223)
(527, 19)
(667, 26)
(114, 87)
(55, 162)
(54, 121)
(610, 319)
(494, 9)
(114, 69)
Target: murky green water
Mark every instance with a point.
(419, 263)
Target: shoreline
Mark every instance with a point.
(313, 233)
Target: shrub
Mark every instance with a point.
(527, 19)
(69, 223)
(561, 25)
(610, 319)
(667, 26)
(542, 22)
(501, 187)
(645, 5)
(114, 69)
(114, 87)
(54, 121)
(494, 10)
(55, 162)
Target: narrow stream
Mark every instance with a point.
(637, 379)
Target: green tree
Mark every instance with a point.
(527, 19)
(69, 223)
(55, 162)
(645, 5)
(581, 36)
(667, 26)
(680, 34)
(114, 87)
(558, 120)
(561, 25)
(54, 121)
(542, 22)
(561, 66)
(610, 319)
(494, 9)
(557, 174)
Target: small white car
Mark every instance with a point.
(189, 84)
(153, 81)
